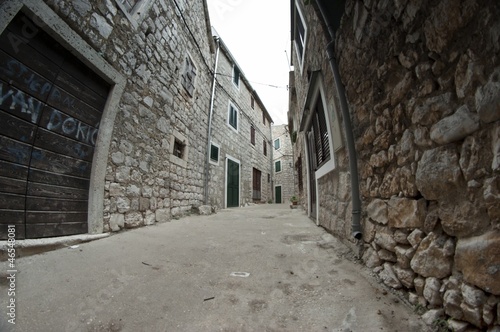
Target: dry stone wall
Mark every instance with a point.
(145, 183)
(422, 79)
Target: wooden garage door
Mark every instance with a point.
(50, 109)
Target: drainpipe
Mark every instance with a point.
(353, 160)
(209, 135)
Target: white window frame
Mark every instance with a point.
(318, 95)
(300, 17)
(237, 117)
(137, 13)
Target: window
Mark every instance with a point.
(300, 33)
(134, 10)
(264, 147)
(214, 153)
(252, 135)
(320, 134)
(188, 75)
(268, 178)
(277, 144)
(232, 118)
(129, 4)
(277, 166)
(264, 118)
(252, 102)
(178, 149)
(236, 76)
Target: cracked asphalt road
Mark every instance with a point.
(258, 268)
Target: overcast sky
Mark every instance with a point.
(257, 32)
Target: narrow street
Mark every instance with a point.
(258, 268)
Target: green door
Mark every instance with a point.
(277, 194)
(233, 184)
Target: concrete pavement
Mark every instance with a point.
(258, 268)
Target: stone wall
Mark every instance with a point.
(422, 82)
(237, 144)
(284, 178)
(145, 183)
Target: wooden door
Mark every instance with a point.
(277, 195)
(233, 183)
(50, 109)
(256, 187)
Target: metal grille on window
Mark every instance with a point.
(189, 75)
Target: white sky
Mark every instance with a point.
(257, 32)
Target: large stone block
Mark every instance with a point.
(488, 98)
(495, 147)
(377, 211)
(451, 303)
(116, 222)
(162, 215)
(479, 260)
(384, 238)
(462, 218)
(406, 213)
(433, 257)
(438, 172)
(491, 196)
(389, 277)
(455, 127)
(431, 291)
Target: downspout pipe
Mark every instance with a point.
(210, 115)
(351, 148)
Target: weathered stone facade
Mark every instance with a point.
(283, 155)
(421, 80)
(252, 152)
(151, 156)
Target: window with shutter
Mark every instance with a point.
(277, 166)
(236, 76)
(232, 119)
(188, 75)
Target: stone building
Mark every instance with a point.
(240, 153)
(396, 109)
(105, 107)
(283, 165)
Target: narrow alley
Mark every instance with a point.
(259, 268)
